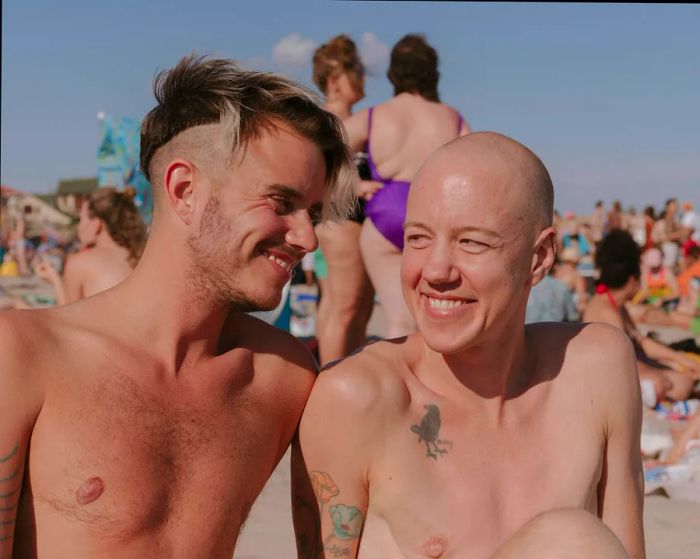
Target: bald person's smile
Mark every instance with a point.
(446, 307)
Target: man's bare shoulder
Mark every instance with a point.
(271, 348)
(47, 334)
(22, 331)
(26, 341)
(15, 329)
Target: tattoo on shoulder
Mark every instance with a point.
(428, 431)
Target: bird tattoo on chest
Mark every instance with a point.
(428, 431)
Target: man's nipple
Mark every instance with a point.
(89, 491)
(435, 547)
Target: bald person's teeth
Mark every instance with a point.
(444, 303)
(281, 262)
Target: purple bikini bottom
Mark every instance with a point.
(387, 210)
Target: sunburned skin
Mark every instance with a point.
(89, 491)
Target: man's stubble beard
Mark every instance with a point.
(208, 276)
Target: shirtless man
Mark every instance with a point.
(448, 442)
(144, 421)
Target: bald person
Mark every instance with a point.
(144, 421)
(476, 437)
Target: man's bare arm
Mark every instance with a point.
(19, 407)
(621, 490)
(329, 468)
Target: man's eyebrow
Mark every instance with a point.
(468, 229)
(288, 190)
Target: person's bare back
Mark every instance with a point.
(96, 269)
(406, 129)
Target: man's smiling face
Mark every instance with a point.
(257, 223)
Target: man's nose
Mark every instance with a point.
(301, 232)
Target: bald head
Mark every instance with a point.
(512, 174)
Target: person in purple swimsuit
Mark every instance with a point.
(398, 136)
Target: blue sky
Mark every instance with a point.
(607, 95)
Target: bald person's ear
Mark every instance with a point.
(544, 255)
(179, 188)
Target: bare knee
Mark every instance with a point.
(563, 534)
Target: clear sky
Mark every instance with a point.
(608, 95)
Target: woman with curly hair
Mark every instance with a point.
(112, 235)
(398, 136)
(347, 297)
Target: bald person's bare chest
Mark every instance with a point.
(120, 458)
(453, 487)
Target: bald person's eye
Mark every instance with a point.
(473, 246)
(416, 240)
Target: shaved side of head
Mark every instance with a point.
(202, 145)
(530, 187)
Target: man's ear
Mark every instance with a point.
(179, 188)
(544, 256)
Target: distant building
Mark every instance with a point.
(37, 212)
(70, 194)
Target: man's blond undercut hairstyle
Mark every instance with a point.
(201, 90)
